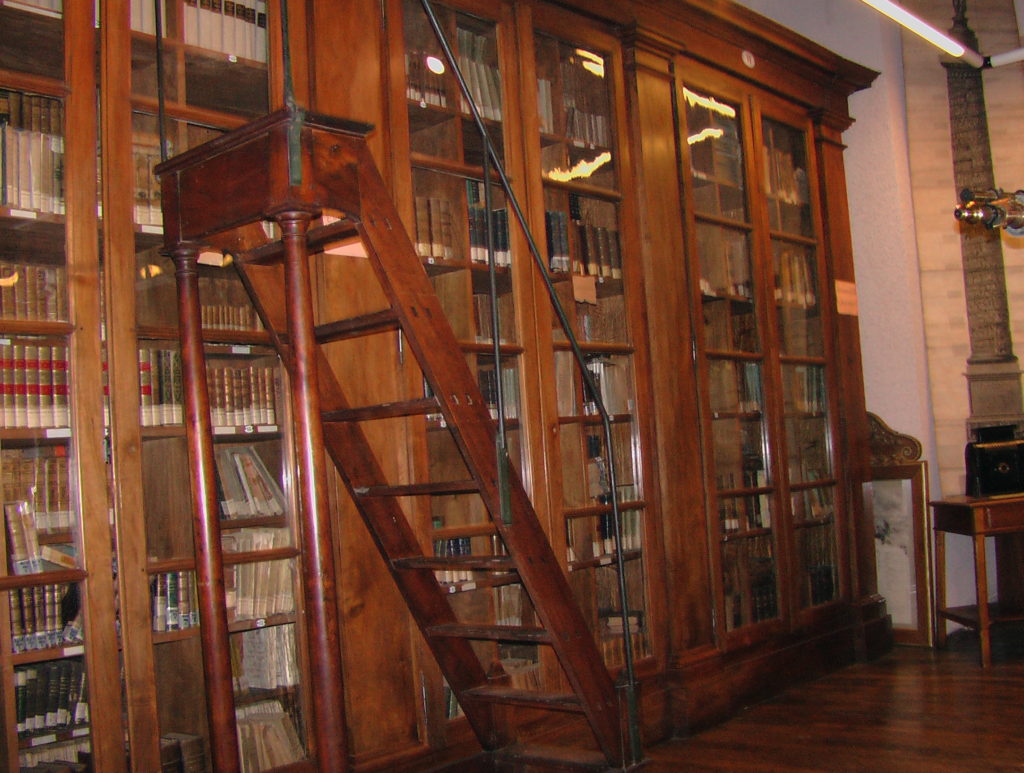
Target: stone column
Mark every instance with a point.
(993, 373)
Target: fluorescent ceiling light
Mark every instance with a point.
(927, 31)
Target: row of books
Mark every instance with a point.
(744, 468)
(31, 152)
(584, 113)
(813, 504)
(160, 388)
(783, 178)
(478, 236)
(45, 616)
(146, 155)
(51, 8)
(267, 737)
(33, 384)
(39, 476)
(724, 263)
(450, 547)
(424, 78)
(174, 601)
(50, 696)
(29, 291)
(488, 379)
(805, 388)
(744, 513)
(246, 488)
(729, 326)
(435, 234)
(229, 316)
(523, 674)
(604, 320)
(477, 60)
(598, 252)
(794, 280)
(611, 377)
(822, 582)
(255, 590)
(482, 314)
(715, 150)
(734, 386)
(237, 28)
(264, 659)
(594, 537)
(27, 555)
(242, 395)
(183, 753)
(613, 648)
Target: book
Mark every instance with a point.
(23, 538)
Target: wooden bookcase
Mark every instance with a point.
(690, 215)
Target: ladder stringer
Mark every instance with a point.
(431, 339)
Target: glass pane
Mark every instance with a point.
(807, 430)
(574, 106)
(796, 300)
(725, 262)
(32, 146)
(749, 581)
(32, 38)
(819, 571)
(716, 156)
(440, 119)
(214, 55)
(785, 179)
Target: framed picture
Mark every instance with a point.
(903, 534)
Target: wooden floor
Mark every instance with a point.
(912, 711)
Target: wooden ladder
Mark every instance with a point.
(288, 168)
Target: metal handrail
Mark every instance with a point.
(491, 157)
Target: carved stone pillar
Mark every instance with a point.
(993, 373)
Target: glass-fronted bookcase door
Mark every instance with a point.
(756, 268)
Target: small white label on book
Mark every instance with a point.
(261, 623)
(5, 341)
(248, 429)
(58, 432)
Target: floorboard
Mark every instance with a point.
(912, 711)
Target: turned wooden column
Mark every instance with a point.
(317, 556)
(214, 634)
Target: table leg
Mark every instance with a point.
(940, 588)
(981, 589)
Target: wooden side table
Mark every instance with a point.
(978, 518)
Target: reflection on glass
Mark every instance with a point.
(574, 107)
(716, 156)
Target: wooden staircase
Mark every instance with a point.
(289, 168)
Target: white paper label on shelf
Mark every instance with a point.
(27, 213)
(846, 297)
(223, 430)
(261, 623)
(266, 428)
(42, 740)
(468, 586)
(5, 341)
(605, 560)
(78, 732)
(68, 652)
(241, 349)
(58, 432)
(147, 228)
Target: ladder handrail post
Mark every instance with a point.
(214, 633)
(319, 582)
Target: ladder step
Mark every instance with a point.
(316, 239)
(420, 489)
(520, 757)
(518, 633)
(422, 406)
(365, 324)
(480, 563)
(554, 701)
